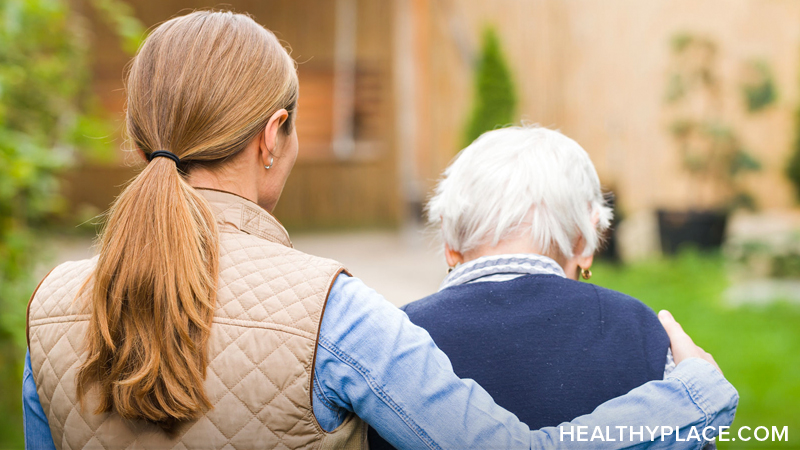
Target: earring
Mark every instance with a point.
(586, 274)
(450, 269)
(271, 160)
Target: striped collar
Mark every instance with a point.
(501, 268)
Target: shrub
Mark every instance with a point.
(46, 113)
(793, 169)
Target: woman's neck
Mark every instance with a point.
(203, 178)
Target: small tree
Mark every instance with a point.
(495, 96)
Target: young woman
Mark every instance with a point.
(198, 325)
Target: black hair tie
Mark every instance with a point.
(164, 154)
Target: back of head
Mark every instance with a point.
(521, 179)
(202, 86)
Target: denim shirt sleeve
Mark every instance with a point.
(372, 361)
(34, 421)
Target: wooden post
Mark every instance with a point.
(412, 98)
(344, 78)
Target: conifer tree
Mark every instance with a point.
(495, 96)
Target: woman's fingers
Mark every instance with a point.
(682, 345)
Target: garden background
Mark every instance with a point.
(689, 109)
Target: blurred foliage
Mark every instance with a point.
(793, 168)
(711, 150)
(786, 266)
(692, 57)
(757, 346)
(48, 119)
(495, 95)
(119, 16)
(774, 256)
(760, 90)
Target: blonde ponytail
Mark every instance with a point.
(154, 291)
(202, 87)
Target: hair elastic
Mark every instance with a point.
(164, 154)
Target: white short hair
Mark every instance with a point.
(521, 177)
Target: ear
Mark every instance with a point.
(269, 138)
(453, 257)
(595, 219)
(584, 262)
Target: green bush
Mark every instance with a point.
(793, 170)
(47, 119)
(495, 96)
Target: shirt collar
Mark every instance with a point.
(240, 213)
(518, 264)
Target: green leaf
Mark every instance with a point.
(676, 88)
(681, 42)
(744, 162)
(761, 91)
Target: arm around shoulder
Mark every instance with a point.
(375, 362)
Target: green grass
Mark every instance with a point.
(757, 347)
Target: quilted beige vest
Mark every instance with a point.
(261, 350)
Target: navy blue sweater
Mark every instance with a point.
(547, 348)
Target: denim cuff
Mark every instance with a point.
(709, 390)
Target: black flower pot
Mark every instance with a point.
(704, 230)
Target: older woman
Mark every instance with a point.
(521, 215)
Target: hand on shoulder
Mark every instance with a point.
(682, 345)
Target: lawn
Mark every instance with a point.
(758, 347)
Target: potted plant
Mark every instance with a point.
(711, 152)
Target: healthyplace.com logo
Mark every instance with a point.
(585, 433)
